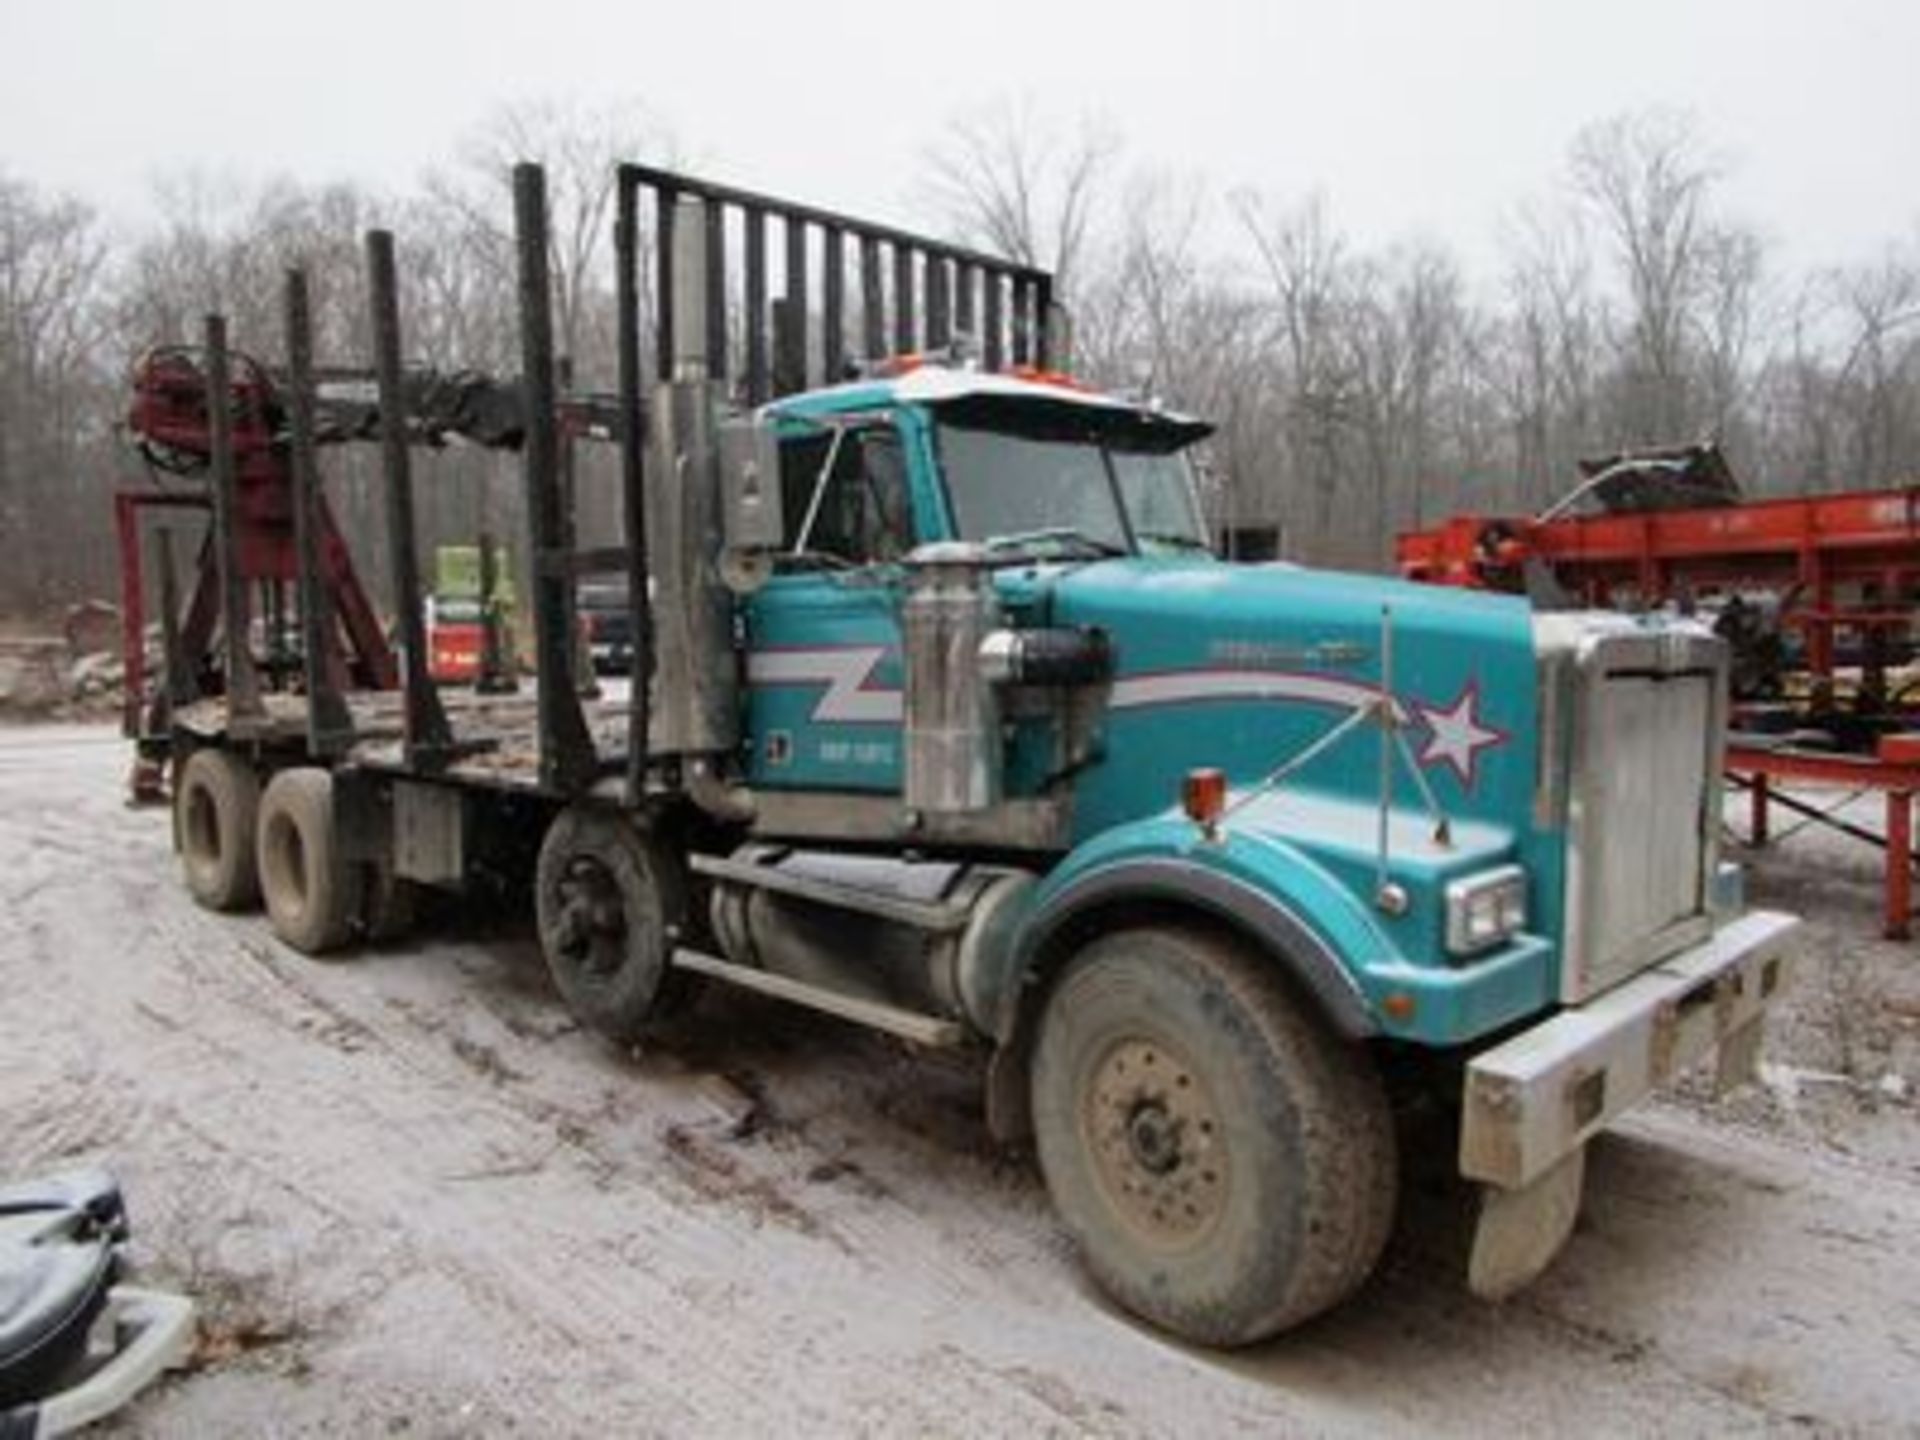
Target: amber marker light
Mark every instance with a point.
(1203, 795)
(1399, 1006)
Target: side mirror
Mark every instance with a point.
(753, 518)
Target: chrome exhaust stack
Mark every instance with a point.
(696, 672)
(952, 738)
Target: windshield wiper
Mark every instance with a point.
(1177, 538)
(814, 559)
(1064, 536)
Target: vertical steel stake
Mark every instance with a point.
(329, 726)
(758, 385)
(833, 303)
(873, 310)
(567, 760)
(626, 250)
(428, 739)
(244, 709)
(906, 331)
(993, 344)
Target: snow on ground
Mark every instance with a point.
(414, 1198)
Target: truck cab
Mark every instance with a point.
(1435, 815)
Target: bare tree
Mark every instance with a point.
(1878, 377)
(1549, 355)
(51, 259)
(1310, 281)
(1011, 183)
(1688, 277)
(1358, 388)
(580, 147)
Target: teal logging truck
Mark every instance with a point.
(957, 728)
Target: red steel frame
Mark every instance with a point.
(1853, 558)
(267, 555)
(1894, 771)
(169, 411)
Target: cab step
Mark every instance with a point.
(928, 1030)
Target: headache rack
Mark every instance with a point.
(914, 293)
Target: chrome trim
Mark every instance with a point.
(951, 731)
(1597, 652)
(1555, 639)
(1461, 893)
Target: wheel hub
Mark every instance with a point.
(1155, 1138)
(1156, 1141)
(593, 919)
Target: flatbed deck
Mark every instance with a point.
(496, 737)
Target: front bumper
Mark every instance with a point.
(1535, 1099)
(1533, 1102)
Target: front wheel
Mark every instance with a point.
(1226, 1165)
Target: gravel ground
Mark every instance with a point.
(414, 1198)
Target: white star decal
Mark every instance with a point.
(1456, 736)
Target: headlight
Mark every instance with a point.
(1485, 910)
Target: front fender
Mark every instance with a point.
(1256, 883)
(1345, 956)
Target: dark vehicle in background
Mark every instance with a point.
(608, 624)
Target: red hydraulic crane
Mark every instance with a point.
(172, 424)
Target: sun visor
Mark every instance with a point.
(1041, 417)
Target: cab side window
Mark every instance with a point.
(862, 516)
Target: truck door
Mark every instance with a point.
(823, 637)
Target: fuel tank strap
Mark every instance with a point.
(921, 914)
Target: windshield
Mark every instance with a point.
(1105, 493)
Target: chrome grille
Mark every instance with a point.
(1644, 749)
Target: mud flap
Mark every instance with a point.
(1520, 1231)
(1738, 1061)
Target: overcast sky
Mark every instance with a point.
(1415, 118)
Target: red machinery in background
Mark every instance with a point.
(1818, 596)
(170, 422)
(170, 425)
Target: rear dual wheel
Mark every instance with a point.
(239, 845)
(216, 805)
(318, 897)
(314, 896)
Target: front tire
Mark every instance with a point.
(313, 895)
(1225, 1164)
(610, 901)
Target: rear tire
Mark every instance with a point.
(1226, 1165)
(610, 900)
(216, 804)
(313, 895)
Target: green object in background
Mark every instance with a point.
(456, 574)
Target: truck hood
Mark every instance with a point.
(1243, 666)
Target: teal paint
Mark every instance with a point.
(1232, 666)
